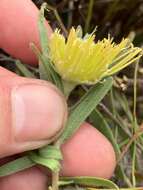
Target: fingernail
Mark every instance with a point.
(38, 112)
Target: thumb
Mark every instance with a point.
(32, 112)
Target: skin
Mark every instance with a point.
(25, 111)
(15, 36)
(88, 153)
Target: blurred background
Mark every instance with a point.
(117, 17)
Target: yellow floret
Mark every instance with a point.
(81, 60)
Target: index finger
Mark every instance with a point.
(19, 27)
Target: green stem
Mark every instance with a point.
(57, 17)
(55, 175)
(135, 125)
(89, 15)
(68, 87)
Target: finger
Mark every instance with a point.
(32, 112)
(19, 27)
(31, 179)
(81, 158)
(88, 153)
(5, 72)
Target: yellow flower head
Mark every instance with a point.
(81, 60)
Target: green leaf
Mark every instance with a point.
(43, 31)
(46, 69)
(48, 156)
(64, 183)
(43, 70)
(91, 182)
(16, 166)
(84, 107)
(101, 124)
(52, 164)
(123, 102)
(24, 70)
(44, 62)
(50, 152)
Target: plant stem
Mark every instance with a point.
(135, 125)
(68, 87)
(55, 179)
(55, 175)
(57, 17)
(89, 15)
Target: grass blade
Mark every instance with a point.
(91, 182)
(24, 70)
(86, 105)
(16, 166)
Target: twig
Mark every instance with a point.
(89, 15)
(135, 136)
(58, 18)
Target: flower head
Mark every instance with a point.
(81, 60)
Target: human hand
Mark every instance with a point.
(38, 106)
